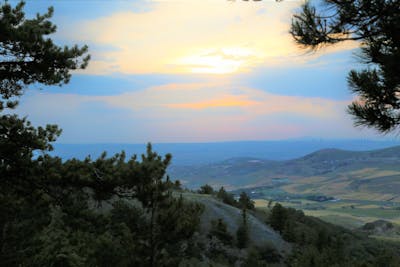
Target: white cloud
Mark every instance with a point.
(193, 37)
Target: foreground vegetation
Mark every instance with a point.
(315, 242)
(322, 244)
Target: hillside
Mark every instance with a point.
(303, 240)
(260, 234)
(370, 175)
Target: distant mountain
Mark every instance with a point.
(204, 153)
(369, 174)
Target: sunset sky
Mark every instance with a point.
(193, 71)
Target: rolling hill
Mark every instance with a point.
(362, 175)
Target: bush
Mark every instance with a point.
(206, 189)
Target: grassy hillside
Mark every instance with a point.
(368, 175)
(348, 188)
(301, 240)
(260, 234)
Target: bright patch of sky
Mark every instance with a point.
(192, 71)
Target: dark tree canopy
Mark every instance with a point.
(206, 189)
(376, 25)
(28, 56)
(245, 202)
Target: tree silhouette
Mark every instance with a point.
(376, 25)
(28, 56)
(245, 202)
(111, 211)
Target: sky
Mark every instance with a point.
(193, 71)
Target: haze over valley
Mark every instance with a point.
(346, 182)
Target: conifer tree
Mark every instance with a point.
(375, 24)
(245, 202)
(242, 233)
(28, 56)
(51, 211)
(220, 231)
(226, 197)
(206, 189)
(278, 217)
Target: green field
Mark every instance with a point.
(351, 214)
(355, 187)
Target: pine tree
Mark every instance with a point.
(206, 189)
(278, 217)
(220, 231)
(226, 197)
(51, 211)
(242, 233)
(376, 25)
(28, 56)
(245, 202)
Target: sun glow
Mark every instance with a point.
(211, 64)
(174, 38)
(219, 61)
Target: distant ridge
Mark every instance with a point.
(327, 154)
(204, 153)
(333, 171)
(389, 151)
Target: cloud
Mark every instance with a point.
(184, 100)
(211, 111)
(225, 101)
(193, 36)
(278, 90)
(221, 98)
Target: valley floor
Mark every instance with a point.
(351, 214)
